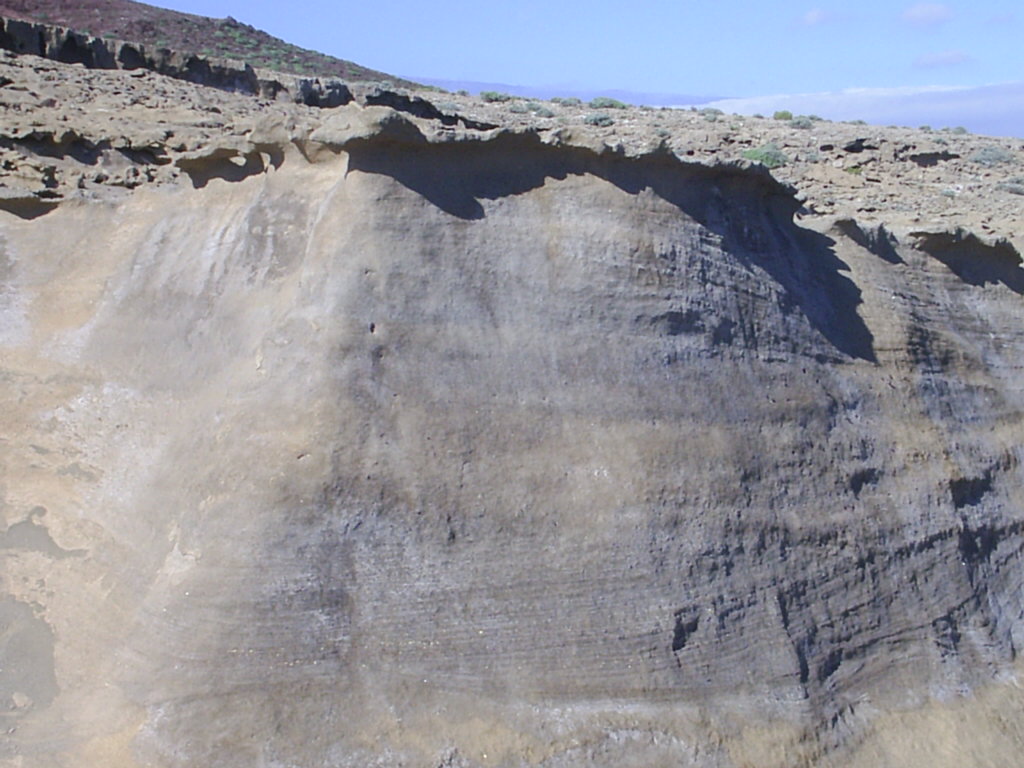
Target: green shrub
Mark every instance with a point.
(959, 130)
(604, 102)
(568, 101)
(783, 114)
(602, 121)
(801, 122)
(768, 155)
(1014, 186)
(533, 106)
(519, 109)
(991, 156)
(856, 122)
(494, 96)
(711, 111)
(544, 112)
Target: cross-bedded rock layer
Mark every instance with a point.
(358, 438)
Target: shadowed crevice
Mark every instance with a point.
(226, 164)
(28, 207)
(878, 240)
(973, 260)
(414, 105)
(931, 159)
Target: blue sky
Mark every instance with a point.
(724, 49)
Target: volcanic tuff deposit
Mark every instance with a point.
(370, 436)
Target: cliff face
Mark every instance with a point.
(376, 442)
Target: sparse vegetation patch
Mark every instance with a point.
(769, 155)
(1014, 186)
(604, 102)
(991, 156)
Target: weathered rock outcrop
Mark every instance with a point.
(69, 46)
(73, 47)
(360, 439)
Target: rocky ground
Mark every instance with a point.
(70, 132)
(906, 174)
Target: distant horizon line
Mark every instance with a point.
(549, 91)
(994, 109)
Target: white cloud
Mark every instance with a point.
(996, 110)
(814, 17)
(942, 59)
(847, 104)
(927, 14)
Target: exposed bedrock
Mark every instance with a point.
(73, 47)
(497, 452)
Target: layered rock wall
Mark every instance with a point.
(411, 446)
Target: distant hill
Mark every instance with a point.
(162, 28)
